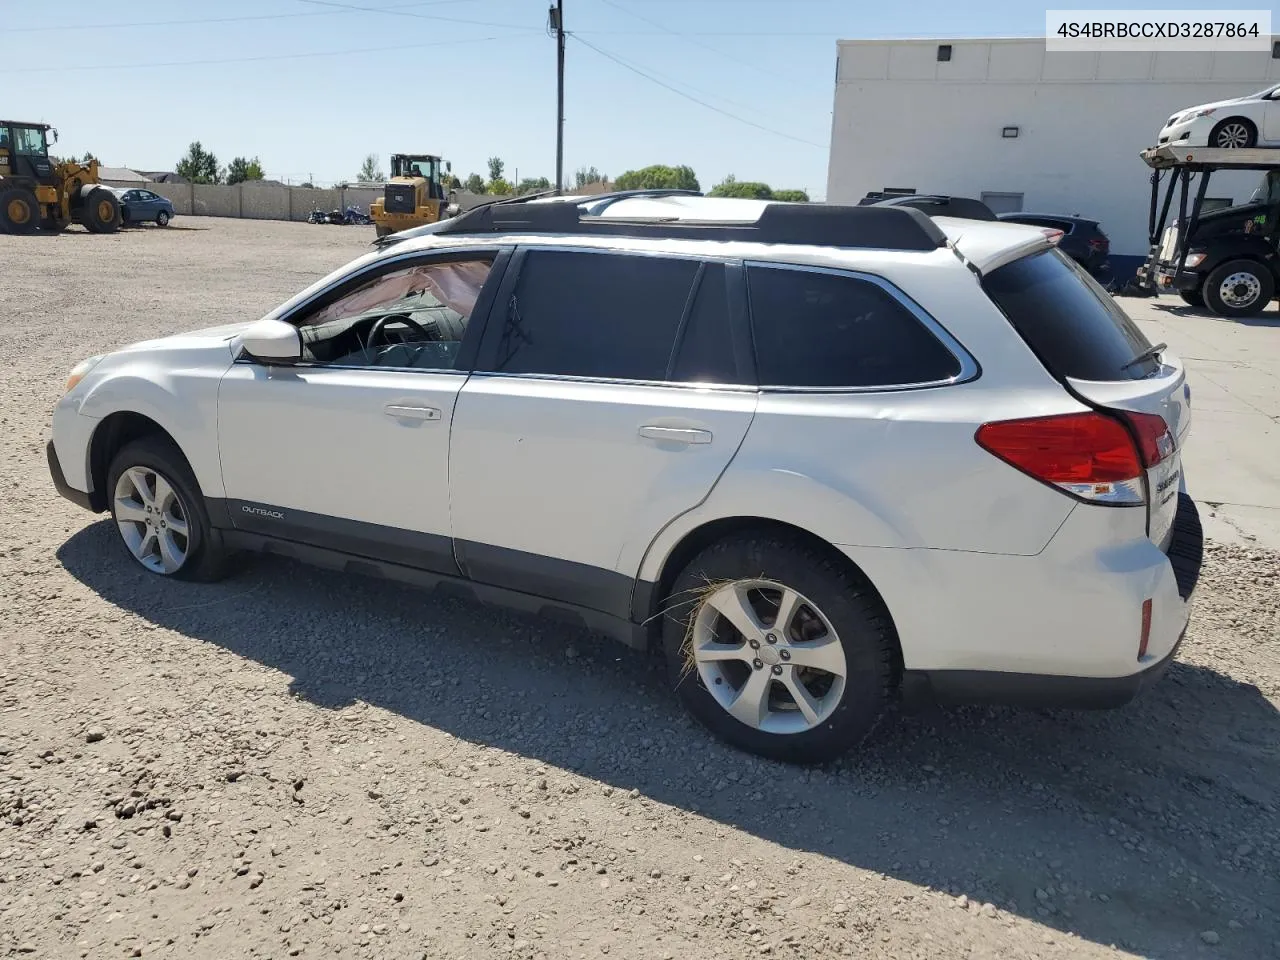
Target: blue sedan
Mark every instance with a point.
(142, 206)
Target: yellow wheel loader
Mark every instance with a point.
(414, 196)
(38, 193)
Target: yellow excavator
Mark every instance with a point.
(414, 196)
(37, 192)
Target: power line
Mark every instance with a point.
(64, 27)
(275, 56)
(697, 43)
(702, 103)
(682, 83)
(418, 16)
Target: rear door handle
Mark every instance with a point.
(401, 412)
(677, 434)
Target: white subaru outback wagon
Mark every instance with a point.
(820, 456)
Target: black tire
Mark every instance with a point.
(848, 603)
(206, 554)
(101, 211)
(1246, 298)
(1234, 133)
(19, 211)
(1192, 298)
(162, 218)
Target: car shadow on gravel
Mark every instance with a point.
(1143, 827)
(1201, 313)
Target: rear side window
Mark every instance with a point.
(819, 329)
(593, 315)
(706, 346)
(1068, 320)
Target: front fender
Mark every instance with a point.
(183, 402)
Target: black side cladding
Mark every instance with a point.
(817, 224)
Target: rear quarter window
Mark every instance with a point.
(814, 328)
(1072, 324)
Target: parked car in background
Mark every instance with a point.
(1250, 121)
(143, 206)
(1082, 239)
(938, 205)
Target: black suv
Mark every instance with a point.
(1082, 240)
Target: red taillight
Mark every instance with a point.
(1154, 439)
(1099, 243)
(1089, 455)
(1145, 637)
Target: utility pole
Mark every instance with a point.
(556, 17)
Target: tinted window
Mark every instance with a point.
(706, 348)
(593, 315)
(1070, 322)
(817, 329)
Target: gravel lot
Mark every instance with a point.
(291, 763)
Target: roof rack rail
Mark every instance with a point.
(817, 224)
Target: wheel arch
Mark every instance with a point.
(112, 433)
(650, 595)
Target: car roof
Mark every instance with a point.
(1046, 216)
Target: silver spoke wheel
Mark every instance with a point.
(1233, 136)
(768, 656)
(1240, 290)
(152, 520)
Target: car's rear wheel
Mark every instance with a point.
(1239, 288)
(160, 514)
(1234, 133)
(1193, 298)
(162, 218)
(779, 649)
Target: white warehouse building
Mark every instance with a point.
(1024, 129)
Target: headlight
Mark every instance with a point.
(1195, 259)
(1207, 112)
(80, 369)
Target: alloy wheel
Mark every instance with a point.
(152, 520)
(768, 656)
(1233, 136)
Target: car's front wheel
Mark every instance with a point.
(779, 648)
(1234, 133)
(162, 218)
(1239, 288)
(160, 514)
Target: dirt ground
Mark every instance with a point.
(293, 763)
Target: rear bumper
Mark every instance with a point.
(78, 497)
(1185, 558)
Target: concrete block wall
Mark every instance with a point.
(264, 201)
(179, 194)
(215, 200)
(302, 200)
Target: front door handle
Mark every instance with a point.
(401, 412)
(677, 434)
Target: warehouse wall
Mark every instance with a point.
(904, 119)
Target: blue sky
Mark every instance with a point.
(311, 86)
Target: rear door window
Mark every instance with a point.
(815, 328)
(599, 315)
(1072, 324)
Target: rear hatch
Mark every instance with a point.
(1088, 343)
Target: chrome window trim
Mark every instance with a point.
(969, 367)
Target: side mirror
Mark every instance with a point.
(448, 166)
(271, 342)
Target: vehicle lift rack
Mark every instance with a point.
(1183, 163)
(820, 224)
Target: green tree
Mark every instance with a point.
(731, 186)
(791, 196)
(475, 183)
(199, 165)
(308, 185)
(500, 187)
(496, 167)
(533, 185)
(370, 169)
(451, 182)
(659, 177)
(585, 175)
(239, 170)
